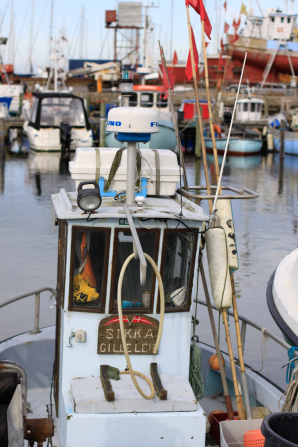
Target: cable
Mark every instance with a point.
(122, 331)
(147, 228)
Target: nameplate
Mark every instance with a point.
(140, 332)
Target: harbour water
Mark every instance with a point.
(266, 231)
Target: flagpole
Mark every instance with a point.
(194, 74)
(174, 118)
(209, 107)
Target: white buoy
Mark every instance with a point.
(218, 268)
(224, 212)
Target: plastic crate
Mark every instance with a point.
(216, 418)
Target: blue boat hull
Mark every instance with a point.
(165, 139)
(237, 146)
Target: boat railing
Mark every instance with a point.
(37, 293)
(238, 193)
(245, 321)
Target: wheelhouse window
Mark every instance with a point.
(282, 20)
(88, 271)
(239, 107)
(252, 106)
(245, 107)
(146, 100)
(161, 102)
(133, 100)
(54, 111)
(135, 297)
(259, 107)
(34, 110)
(178, 258)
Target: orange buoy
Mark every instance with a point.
(214, 412)
(213, 362)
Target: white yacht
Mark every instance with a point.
(58, 122)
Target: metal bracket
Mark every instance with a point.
(239, 194)
(72, 335)
(137, 247)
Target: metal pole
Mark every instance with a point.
(51, 28)
(243, 334)
(31, 37)
(102, 124)
(130, 173)
(36, 316)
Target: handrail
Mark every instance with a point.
(246, 321)
(37, 303)
(239, 194)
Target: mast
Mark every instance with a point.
(171, 43)
(31, 38)
(10, 39)
(51, 27)
(81, 50)
(145, 39)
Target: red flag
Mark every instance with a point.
(175, 58)
(188, 70)
(225, 5)
(206, 44)
(226, 28)
(165, 81)
(236, 24)
(220, 62)
(234, 38)
(222, 45)
(199, 7)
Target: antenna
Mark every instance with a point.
(31, 38)
(51, 28)
(81, 50)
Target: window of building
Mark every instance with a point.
(146, 99)
(133, 100)
(88, 271)
(135, 297)
(179, 250)
(160, 101)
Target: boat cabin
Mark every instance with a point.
(109, 262)
(56, 116)
(152, 97)
(249, 109)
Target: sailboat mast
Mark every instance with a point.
(10, 39)
(172, 16)
(51, 28)
(31, 38)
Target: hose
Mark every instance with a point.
(162, 310)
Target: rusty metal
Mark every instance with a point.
(6, 366)
(239, 194)
(38, 430)
(106, 384)
(160, 391)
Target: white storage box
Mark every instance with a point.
(83, 168)
(231, 432)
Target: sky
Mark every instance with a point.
(98, 41)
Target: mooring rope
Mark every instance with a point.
(196, 379)
(291, 392)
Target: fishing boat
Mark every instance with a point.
(58, 122)
(282, 297)
(129, 243)
(243, 142)
(151, 97)
(278, 123)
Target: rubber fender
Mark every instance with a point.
(218, 268)
(225, 214)
(3, 426)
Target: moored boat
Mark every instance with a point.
(58, 122)
(282, 297)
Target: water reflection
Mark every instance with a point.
(266, 231)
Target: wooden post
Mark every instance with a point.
(215, 338)
(266, 107)
(102, 121)
(198, 148)
(194, 74)
(282, 144)
(281, 162)
(174, 119)
(209, 107)
(20, 104)
(240, 352)
(239, 403)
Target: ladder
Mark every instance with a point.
(270, 62)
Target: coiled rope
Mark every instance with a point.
(196, 379)
(291, 393)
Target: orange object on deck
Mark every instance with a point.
(253, 438)
(87, 272)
